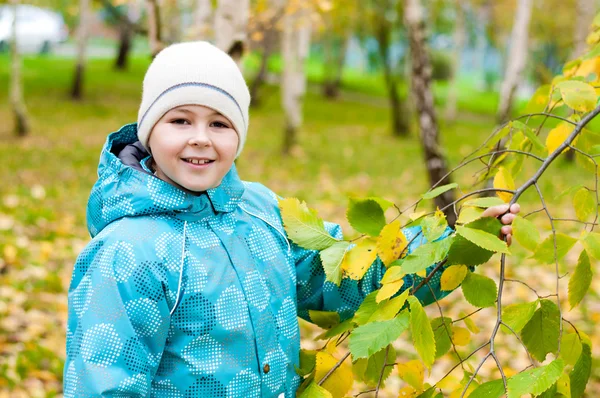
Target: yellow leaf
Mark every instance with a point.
(422, 273)
(388, 290)
(453, 276)
(10, 254)
(407, 392)
(503, 180)
(340, 381)
(460, 336)
(417, 215)
(393, 274)
(358, 259)
(468, 214)
(412, 372)
(469, 322)
(391, 242)
(589, 66)
(557, 136)
(458, 392)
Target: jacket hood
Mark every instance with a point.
(124, 189)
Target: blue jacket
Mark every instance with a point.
(194, 296)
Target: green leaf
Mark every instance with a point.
(485, 202)
(526, 233)
(426, 255)
(498, 135)
(332, 259)
(479, 290)
(535, 381)
(540, 334)
(439, 190)
(581, 371)
(529, 133)
(366, 308)
(303, 225)
(580, 281)
(324, 319)
(369, 369)
(585, 204)
(368, 339)
(591, 242)
(483, 239)
(465, 252)
(308, 360)
(366, 216)
(570, 348)
(491, 389)
(434, 226)
(545, 251)
(315, 391)
(469, 214)
(568, 191)
(421, 331)
(578, 96)
(516, 316)
(440, 333)
(338, 329)
(384, 203)
(388, 309)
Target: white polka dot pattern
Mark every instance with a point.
(204, 355)
(231, 308)
(144, 316)
(101, 345)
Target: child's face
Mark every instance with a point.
(193, 147)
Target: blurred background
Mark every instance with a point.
(339, 89)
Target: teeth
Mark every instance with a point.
(198, 161)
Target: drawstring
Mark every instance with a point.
(178, 298)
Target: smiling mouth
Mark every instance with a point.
(198, 162)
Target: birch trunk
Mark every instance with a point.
(516, 59)
(423, 98)
(483, 16)
(154, 27)
(82, 38)
(295, 46)
(335, 66)
(203, 19)
(585, 11)
(231, 27)
(459, 42)
(17, 102)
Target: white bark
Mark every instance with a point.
(231, 27)
(516, 58)
(154, 36)
(585, 11)
(459, 42)
(295, 42)
(82, 39)
(203, 19)
(16, 90)
(483, 19)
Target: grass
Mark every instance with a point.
(344, 148)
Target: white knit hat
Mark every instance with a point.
(194, 73)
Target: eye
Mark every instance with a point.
(220, 125)
(180, 121)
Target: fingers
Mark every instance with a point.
(508, 218)
(515, 208)
(506, 230)
(495, 211)
(509, 239)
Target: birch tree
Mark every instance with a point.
(516, 58)
(21, 127)
(203, 16)
(82, 39)
(423, 99)
(231, 24)
(295, 44)
(459, 42)
(584, 13)
(154, 27)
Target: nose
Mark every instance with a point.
(199, 137)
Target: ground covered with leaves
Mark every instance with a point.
(345, 149)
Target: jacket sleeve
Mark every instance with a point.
(118, 322)
(315, 293)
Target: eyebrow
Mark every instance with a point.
(185, 110)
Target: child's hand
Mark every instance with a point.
(507, 218)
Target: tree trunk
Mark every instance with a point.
(82, 37)
(423, 97)
(398, 108)
(125, 34)
(295, 46)
(335, 68)
(267, 48)
(585, 11)
(231, 23)
(17, 102)
(154, 27)
(459, 42)
(483, 18)
(203, 19)
(516, 59)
